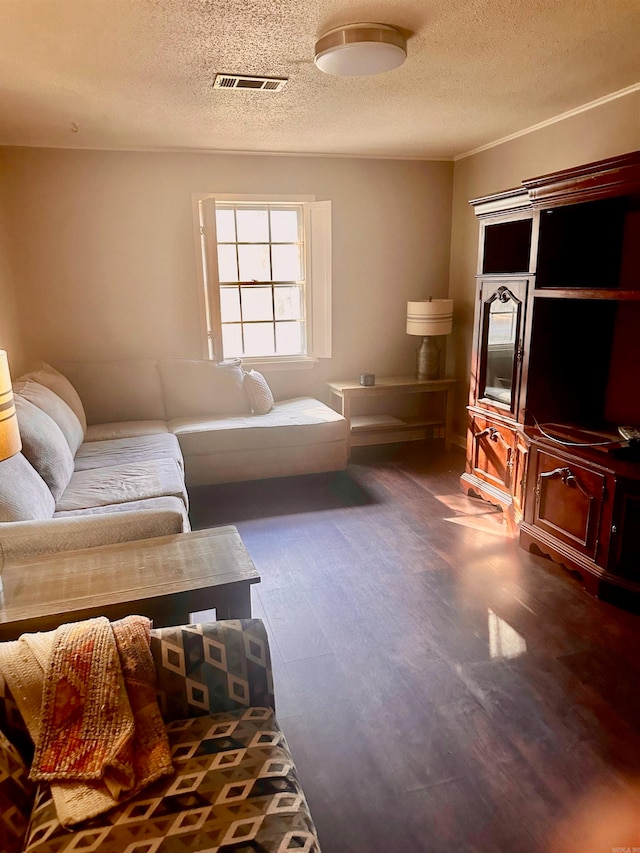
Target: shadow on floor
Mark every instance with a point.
(229, 503)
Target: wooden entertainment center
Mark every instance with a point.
(556, 367)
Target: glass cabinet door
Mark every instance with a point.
(501, 334)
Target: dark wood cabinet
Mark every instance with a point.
(569, 501)
(496, 449)
(556, 366)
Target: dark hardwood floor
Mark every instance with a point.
(440, 688)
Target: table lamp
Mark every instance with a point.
(10, 443)
(429, 318)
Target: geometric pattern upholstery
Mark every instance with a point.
(12, 725)
(205, 669)
(235, 789)
(16, 795)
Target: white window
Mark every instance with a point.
(265, 278)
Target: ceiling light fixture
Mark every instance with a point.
(358, 49)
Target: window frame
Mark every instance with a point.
(317, 262)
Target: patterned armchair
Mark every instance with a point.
(235, 787)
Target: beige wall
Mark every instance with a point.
(610, 129)
(103, 256)
(10, 328)
(97, 255)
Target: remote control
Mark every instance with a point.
(630, 434)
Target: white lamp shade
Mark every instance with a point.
(360, 49)
(430, 317)
(10, 443)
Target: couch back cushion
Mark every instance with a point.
(123, 390)
(24, 495)
(197, 388)
(47, 375)
(44, 445)
(16, 798)
(45, 399)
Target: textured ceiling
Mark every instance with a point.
(137, 74)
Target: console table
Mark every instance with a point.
(166, 579)
(385, 429)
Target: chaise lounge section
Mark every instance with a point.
(205, 404)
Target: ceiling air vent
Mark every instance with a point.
(243, 81)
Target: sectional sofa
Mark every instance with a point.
(108, 448)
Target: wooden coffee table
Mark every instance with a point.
(166, 579)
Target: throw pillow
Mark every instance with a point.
(258, 392)
(46, 375)
(24, 495)
(44, 445)
(16, 798)
(44, 398)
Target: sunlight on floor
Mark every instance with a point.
(475, 514)
(504, 641)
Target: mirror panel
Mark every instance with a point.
(500, 343)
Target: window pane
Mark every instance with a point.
(289, 338)
(225, 226)
(286, 263)
(256, 303)
(231, 341)
(253, 226)
(288, 303)
(284, 226)
(258, 339)
(227, 265)
(229, 304)
(254, 263)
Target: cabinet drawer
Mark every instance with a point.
(492, 451)
(568, 501)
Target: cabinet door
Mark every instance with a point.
(500, 344)
(492, 452)
(625, 532)
(569, 501)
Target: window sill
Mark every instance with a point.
(293, 363)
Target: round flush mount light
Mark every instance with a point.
(359, 49)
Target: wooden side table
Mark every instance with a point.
(385, 429)
(166, 579)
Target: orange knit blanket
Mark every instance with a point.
(98, 731)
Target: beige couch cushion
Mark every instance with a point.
(124, 429)
(120, 451)
(68, 531)
(122, 484)
(44, 398)
(126, 390)
(44, 445)
(233, 466)
(302, 421)
(47, 375)
(198, 388)
(167, 503)
(155, 517)
(24, 495)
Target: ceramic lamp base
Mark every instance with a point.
(428, 359)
